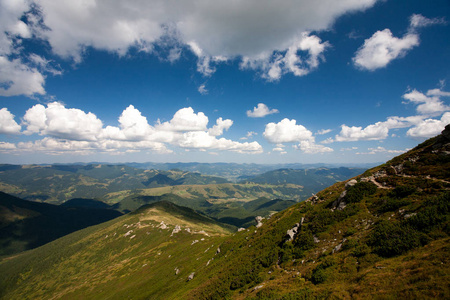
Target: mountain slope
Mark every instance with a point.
(384, 234)
(148, 253)
(27, 224)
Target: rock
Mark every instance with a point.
(258, 221)
(339, 203)
(241, 229)
(350, 183)
(316, 240)
(218, 250)
(162, 225)
(176, 230)
(191, 276)
(290, 234)
(177, 271)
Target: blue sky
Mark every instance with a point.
(246, 81)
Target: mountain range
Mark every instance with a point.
(382, 234)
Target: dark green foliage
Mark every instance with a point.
(319, 274)
(392, 204)
(304, 240)
(435, 213)
(389, 238)
(322, 219)
(360, 190)
(403, 191)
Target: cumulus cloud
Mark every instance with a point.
(286, 131)
(66, 123)
(185, 119)
(429, 104)
(70, 129)
(429, 127)
(220, 126)
(7, 123)
(261, 111)
(382, 47)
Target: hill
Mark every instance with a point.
(150, 253)
(313, 180)
(26, 224)
(59, 183)
(383, 234)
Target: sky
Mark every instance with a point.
(244, 81)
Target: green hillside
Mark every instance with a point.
(147, 254)
(26, 224)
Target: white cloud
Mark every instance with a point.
(380, 49)
(202, 89)
(17, 78)
(220, 126)
(274, 66)
(417, 21)
(60, 122)
(185, 120)
(429, 104)
(429, 127)
(74, 130)
(310, 147)
(205, 27)
(377, 131)
(249, 135)
(286, 131)
(261, 111)
(7, 123)
(380, 149)
(324, 131)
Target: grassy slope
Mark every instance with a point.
(390, 241)
(27, 224)
(103, 261)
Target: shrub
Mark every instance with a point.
(391, 204)
(391, 239)
(403, 191)
(360, 190)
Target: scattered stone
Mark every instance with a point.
(128, 233)
(162, 225)
(241, 229)
(191, 276)
(132, 237)
(177, 271)
(258, 221)
(258, 287)
(316, 240)
(218, 250)
(194, 242)
(176, 230)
